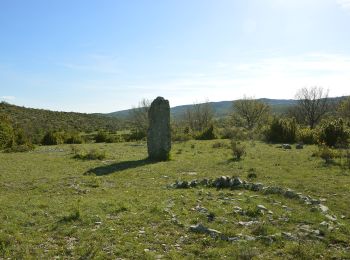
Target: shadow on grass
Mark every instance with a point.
(118, 167)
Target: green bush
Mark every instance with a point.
(134, 135)
(220, 144)
(20, 148)
(281, 131)
(181, 137)
(92, 154)
(238, 133)
(73, 138)
(53, 138)
(101, 137)
(333, 132)
(326, 153)
(7, 135)
(207, 134)
(238, 150)
(307, 136)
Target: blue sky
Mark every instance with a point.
(107, 55)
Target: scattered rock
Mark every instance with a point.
(261, 207)
(299, 146)
(201, 209)
(323, 208)
(286, 146)
(331, 218)
(181, 185)
(204, 182)
(236, 182)
(237, 210)
(211, 217)
(290, 194)
(222, 182)
(248, 223)
(273, 190)
(199, 228)
(257, 186)
(288, 236)
(193, 183)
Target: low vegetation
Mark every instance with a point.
(86, 189)
(54, 205)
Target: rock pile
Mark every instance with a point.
(226, 182)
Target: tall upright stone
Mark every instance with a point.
(159, 136)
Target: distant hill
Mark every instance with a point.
(221, 109)
(224, 108)
(38, 121)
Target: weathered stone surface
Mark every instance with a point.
(199, 228)
(299, 146)
(261, 207)
(222, 182)
(181, 185)
(159, 136)
(286, 146)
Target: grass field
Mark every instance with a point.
(55, 206)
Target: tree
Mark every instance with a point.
(312, 104)
(199, 116)
(139, 117)
(249, 112)
(344, 109)
(7, 135)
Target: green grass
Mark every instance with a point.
(54, 205)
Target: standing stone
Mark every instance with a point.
(158, 136)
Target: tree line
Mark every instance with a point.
(314, 119)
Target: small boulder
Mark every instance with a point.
(222, 182)
(323, 208)
(199, 228)
(257, 187)
(290, 194)
(261, 207)
(181, 185)
(299, 146)
(286, 146)
(235, 182)
(193, 183)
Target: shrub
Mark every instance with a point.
(93, 154)
(101, 137)
(181, 137)
(333, 133)
(326, 153)
(207, 134)
(135, 135)
(307, 136)
(20, 148)
(7, 135)
(238, 150)
(73, 138)
(281, 131)
(234, 132)
(53, 138)
(220, 145)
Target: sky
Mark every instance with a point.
(107, 55)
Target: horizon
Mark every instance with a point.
(171, 107)
(103, 57)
